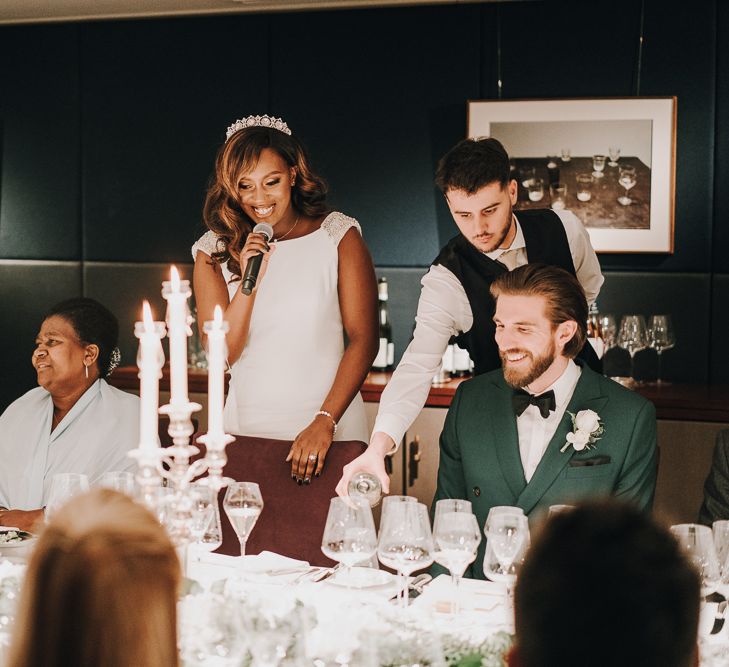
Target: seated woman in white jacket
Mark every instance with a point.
(74, 421)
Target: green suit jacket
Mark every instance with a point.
(480, 460)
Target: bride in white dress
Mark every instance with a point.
(292, 377)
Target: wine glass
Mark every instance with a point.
(405, 542)
(720, 532)
(119, 481)
(507, 540)
(349, 533)
(698, 543)
(660, 337)
(614, 153)
(456, 536)
(598, 165)
(608, 328)
(632, 337)
(627, 179)
(243, 505)
(64, 486)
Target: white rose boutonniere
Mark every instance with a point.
(587, 429)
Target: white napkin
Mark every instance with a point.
(265, 567)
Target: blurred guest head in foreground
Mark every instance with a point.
(101, 589)
(74, 422)
(604, 586)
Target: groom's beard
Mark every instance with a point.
(523, 377)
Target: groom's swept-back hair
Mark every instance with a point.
(604, 585)
(565, 297)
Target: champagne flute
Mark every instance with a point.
(243, 505)
(64, 486)
(632, 337)
(349, 533)
(507, 535)
(456, 536)
(698, 543)
(627, 179)
(405, 542)
(660, 337)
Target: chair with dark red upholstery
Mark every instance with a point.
(293, 517)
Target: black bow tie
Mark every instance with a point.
(546, 402)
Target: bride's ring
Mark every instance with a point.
(313, 457)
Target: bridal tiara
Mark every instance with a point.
(257, 121)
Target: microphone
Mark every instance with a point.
(250, 277)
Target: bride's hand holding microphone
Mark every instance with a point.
(255, 256)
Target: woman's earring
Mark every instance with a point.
(292, 182)
(86, 370)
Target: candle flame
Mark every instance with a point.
(175, 279)
(218, 316)
(147, 316)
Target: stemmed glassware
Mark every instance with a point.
(632, 337)
(608, 328)
(405, 542)
(349, 533)
(64, 486)
(243, 505)
(456, 535)
(627, 179)
(614, 153)
(720, 532)
(202, 510)
(507, 540)
(660, 337)
(698, 543)
(598, 165)
(119, 481)
(212, 538)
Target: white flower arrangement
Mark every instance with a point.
(587, 429)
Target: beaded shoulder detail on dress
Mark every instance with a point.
(337, 224)
(208, 243)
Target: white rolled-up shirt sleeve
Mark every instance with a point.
(587, 266)
(443, 311)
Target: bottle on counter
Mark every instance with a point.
(386, 353)
(594, 331)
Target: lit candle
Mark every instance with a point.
(215, 331)
(176, 292)
(150, 360)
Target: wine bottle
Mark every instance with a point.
(367, 486)
(386, 352)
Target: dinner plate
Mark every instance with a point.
(27, 540)
(362, 578)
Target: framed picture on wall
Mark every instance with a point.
(610, 161)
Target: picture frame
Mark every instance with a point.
(610, 161)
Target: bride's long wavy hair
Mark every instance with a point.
(223, 213)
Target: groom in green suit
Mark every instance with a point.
(544, 430)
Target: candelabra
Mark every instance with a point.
(176, 505)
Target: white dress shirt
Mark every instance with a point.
(444, 311)
(535, 431)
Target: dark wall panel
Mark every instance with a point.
(721, 139)
(719, 352)
(27, 292)
(39, 156)
(158, 97)
(378, 96)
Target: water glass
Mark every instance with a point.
(119, 481)
(558, 196)
(598, 165)
(584, 186)
(243, 505)
(536, 189)
(697, 542)
(405, 542)
(64, 486)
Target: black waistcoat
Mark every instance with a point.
(546, 243)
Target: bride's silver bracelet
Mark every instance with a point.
(328, 414)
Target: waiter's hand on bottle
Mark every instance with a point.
(372, 461)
